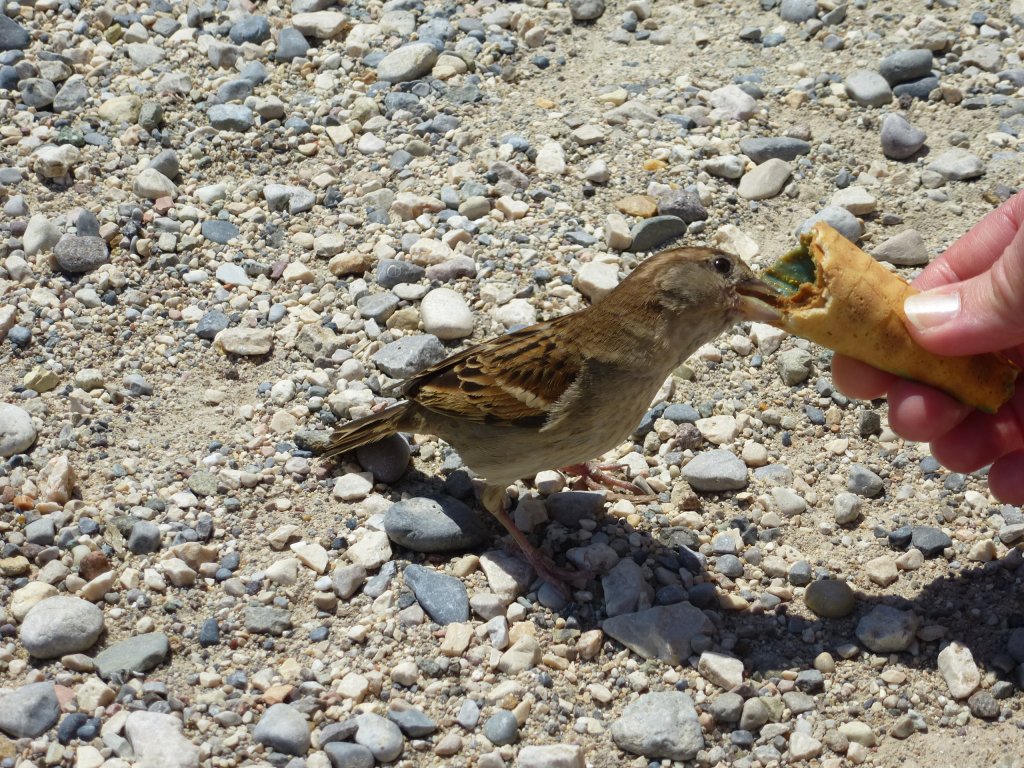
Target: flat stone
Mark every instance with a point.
(140, 653)
(662, 632)
(838, 218)
(343, 754)
(903, 66)
(60, 625)
(724, 671)
(957, 667)
(868, 88)
(765, 181)
(13, 36)
(152, 185)
(798, 11)
(957, 165)
(551, 756)
(409, 62)
(733, 102)
(245, 341)
(410, 354)
(443, 597)
(156, 740)
(931, 541)
(764, 148)
(715, 471)
(321, 24)
(654, 232)
(29, 711)
(863, 482)
(439, 524)
(267, 620)
(231, 117)
(660, 725)
(906, 249)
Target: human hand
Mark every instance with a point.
(972, 301)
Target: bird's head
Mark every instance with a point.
(706, 281)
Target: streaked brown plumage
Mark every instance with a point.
(565, 391)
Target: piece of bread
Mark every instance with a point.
(836, 295)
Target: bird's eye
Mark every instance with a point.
(722, 265)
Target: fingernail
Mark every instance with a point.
(931, 309)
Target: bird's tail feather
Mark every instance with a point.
(368, 429)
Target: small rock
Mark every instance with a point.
(863, 482)
(714, 471)
(887, 630)
(17, 433)
(900, 140)
(957, 667)
(502, 728)
(904, 66)
(440, 524)
(765, 181)
(284, 729)
(830, 598)
(156, 739)
(30, 710)
(60, 625)
(140, 653)
(443, 597)
(651, 233)
(868, 88)
(957, 165)
(381, 736)
(446, 315)
(660, 725)
(838, 218)
(906, 249)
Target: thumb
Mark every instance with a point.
(982, 314)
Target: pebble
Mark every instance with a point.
(586, 10)
(733, 102)
(343, 754)
(830, 598)
(551, 756)
(444, 598)
(379, 735)
(156, 739)
(930, 541)
(863, 482)
(283, 729)
(900, 140)
(715, 471)
(906, 65)
(387, 459)
(868, 88)
(502, 728)
(683, 204)
(29, 710)
(838, 218)
(957, 164)
(662, 632)
(446, 315)
(887, 630)
(724, 671)
(795, 366)
(652, 233)
(17, 433)
(139, 653)
(765, 180)
(439, 524)
(905, 249)
(410, 354)
(957, 667)
(60, 625)
(660, 725)
(245, 341)
(847, 507)
(761, 150)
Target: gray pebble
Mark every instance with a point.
(167, 163)
(900, 140)
(729, 565)
(863, 482)
(136, 385)
(13, 36)
(220, 231)
(72, 95)
(31, 710)
(905, 249)
(284, 729)
(410, 354)
(800, 573)
(468, 715)
(382, 737)
(386, 459)
(409, 62)
(847, 507)
(904, 66)
(412, 722)
(41, 531)
(267, 620)
(887, 630)
(917, 89)
(931, 541)
(726, 707)
(346, 579)
(795, 366)
(502, 728)
(378, 306)
(212, 323)
(660, 725)
(983, 705)
(343, 754)
(717, 470)
(664, 632)
(443, 597)
(773, 147)
(291, 44)
(754, 715)
(586, 10)
(231, 117)
(37, 92)
(439, 524)
(683, 204)
(838, 218)
(144, 538)
(391, 272)
(77, 255)
(798, 11)
(57, 626)
(140, 653)
(957, 165)
(867, 88)
(651, 233)
(250, 29)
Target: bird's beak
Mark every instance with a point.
(758, 301)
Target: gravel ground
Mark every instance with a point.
(228, 227)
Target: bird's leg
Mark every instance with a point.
(595, 476)
(494, 500)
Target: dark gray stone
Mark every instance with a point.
(13, 36)
(250, 29)
(387, 459)
(32, 709)
(136, 654)
(284, 729)
(212, 323)
(651, 233)
(774, 147)
(900, 140)
(219, 231)
(412, 722)
(291, 44)
(683, 204)
(37, 92)
(77, 255)
(440, 524)
(502, 728)
(443, 597)
(343, 754)
(904, 66)
(931, 541)
(391, 272)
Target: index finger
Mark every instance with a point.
(976, 251)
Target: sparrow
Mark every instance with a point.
(561, 392)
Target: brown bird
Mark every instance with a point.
(565, 391)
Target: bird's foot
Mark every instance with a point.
(593, 476)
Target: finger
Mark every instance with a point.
(1006, 478)
(976, 251)
(978, 440)
(982, 314)
(859, 380)
(921, 413)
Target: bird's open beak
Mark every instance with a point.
(758, 301)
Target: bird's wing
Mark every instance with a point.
(517, 378)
